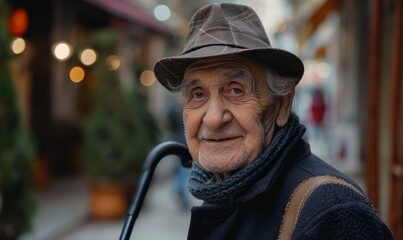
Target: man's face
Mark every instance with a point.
(228, 114)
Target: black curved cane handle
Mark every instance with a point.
(157, 153)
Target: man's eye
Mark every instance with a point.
(197, 95)
(236, 91)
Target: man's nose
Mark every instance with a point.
(217, 113)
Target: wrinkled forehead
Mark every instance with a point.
(239, 65)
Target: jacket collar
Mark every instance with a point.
(296, 150)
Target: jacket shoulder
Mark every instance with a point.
(335, 211)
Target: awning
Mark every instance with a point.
(131, 12)
(315, 20)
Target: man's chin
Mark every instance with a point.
(223, 169)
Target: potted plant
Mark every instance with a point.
(17, 205)
(117, 137)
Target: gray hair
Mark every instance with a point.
(279, 86)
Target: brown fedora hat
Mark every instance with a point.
(223, 29)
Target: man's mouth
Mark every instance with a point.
(219, 139)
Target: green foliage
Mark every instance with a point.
(16, 159)
(119, 132)
(17, 205)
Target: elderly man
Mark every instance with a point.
(255, 173)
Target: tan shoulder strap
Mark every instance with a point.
(298, 199)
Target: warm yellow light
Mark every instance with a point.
(62, 51)
(77, 74)
(88, 56)
(18, 45)
(112, 62)
(147, 78)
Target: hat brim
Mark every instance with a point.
(169, 71)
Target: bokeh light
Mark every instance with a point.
(162, 12)
(112, 62)
(323, 70)
(77, 74)
(147, 78)
(62, 51)
(18, 45)
(88, 56)
(18, 22)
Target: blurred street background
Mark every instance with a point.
(80, 108)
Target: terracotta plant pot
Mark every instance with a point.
(41, 173)
(107, 201)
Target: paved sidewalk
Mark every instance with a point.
(63, 215)
(59, 208)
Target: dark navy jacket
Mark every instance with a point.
(332, 211)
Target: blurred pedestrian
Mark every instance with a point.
(252, 167)
(317, 107)
(317, 111)
(181, 174)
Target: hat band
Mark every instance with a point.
(209, 45)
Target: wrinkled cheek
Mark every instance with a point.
(256, 138)
(269, 121)
(190, 125)
(254, 146)
(192, 144)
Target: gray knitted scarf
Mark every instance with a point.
(203, 185)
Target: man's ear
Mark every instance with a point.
(285, 109)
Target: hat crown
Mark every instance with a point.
(226, 29)
(225, 24)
